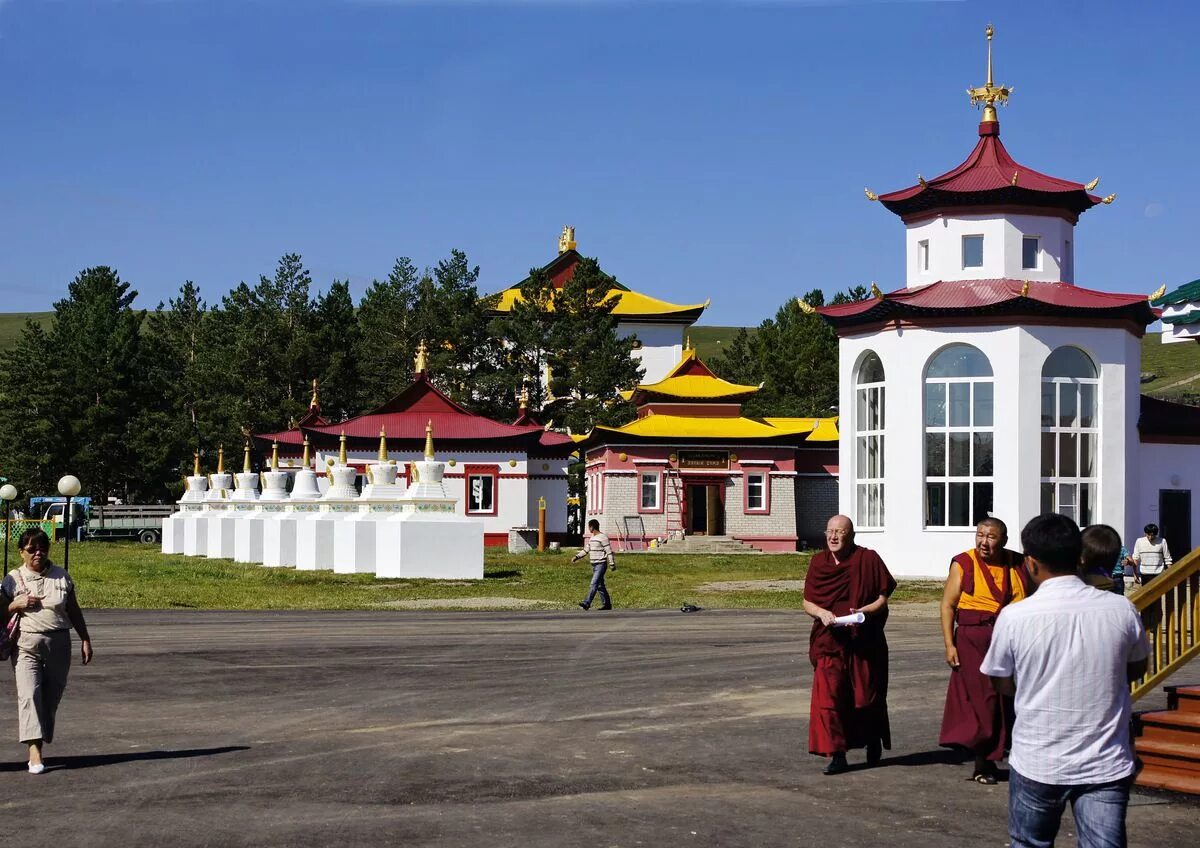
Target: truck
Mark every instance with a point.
(103, 521)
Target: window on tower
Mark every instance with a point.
(972, 251)
(923, 255)
(958, 437)
(1031, 251)
(1070, 435)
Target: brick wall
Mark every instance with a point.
(621, 500)
(781, 521)
(816, 501)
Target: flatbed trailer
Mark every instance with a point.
(127, 521)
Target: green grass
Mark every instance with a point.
(126, 575)
(1171, 363)
(12, 323)
(711, 341)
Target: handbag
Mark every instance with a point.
(12, 630)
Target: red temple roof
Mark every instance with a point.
(990, 177)
(984, 299)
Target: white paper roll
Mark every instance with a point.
(853, 618)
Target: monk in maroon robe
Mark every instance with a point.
(850, 662)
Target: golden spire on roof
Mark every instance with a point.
(246, 458)
(307, 453)
(314, 402)
(524, 398)
(382, 445)
(221, 459)
(988, 95)
(870, 194)
(687, 342)
(876, 292)
(195, 463)
(342, 449)
(429, 439)
(420, 363)
(274, 456)
(567, 240)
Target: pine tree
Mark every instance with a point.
(336, 346)
(385, 341)
(33, 453)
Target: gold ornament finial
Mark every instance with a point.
(567, 240)
(870, 194)
(342, 449)
(548, 373)
(195, 463)
(307, 452)
(1109, 199)
(805, 306)
(988, 95)
(382, 445)
(429, 439)
(1015, 175)
(523, 398)
(314, 403)
(246, 458)
(1025, 289)
(921, 180)
(421, 362)
(274, 456)
(687, 342)
(1157, 293)
(221, 459)
(876, 292)
(1092, 185)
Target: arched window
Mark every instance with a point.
(958, 437)
(1070, 433)
(868, 441)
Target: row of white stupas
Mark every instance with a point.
(388, 530)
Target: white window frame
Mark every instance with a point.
(657, 477)
(923, 255)
(971, 429)
(764, 481)
(964, 250)
(1037, 255)
(869, 444)
(1059, 492)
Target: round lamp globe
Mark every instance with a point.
(69, 486)
(8, 492)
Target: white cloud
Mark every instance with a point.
(1155, 210)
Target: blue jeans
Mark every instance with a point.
(598, 586)
(1035, 811)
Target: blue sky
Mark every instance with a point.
(701, 149)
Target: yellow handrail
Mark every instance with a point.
(1170, 610)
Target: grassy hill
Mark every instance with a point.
(12, 323)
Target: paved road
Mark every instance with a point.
(491, 729)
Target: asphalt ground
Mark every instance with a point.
(492, 729)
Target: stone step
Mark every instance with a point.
(1156, 777)
(1170, 726)
(1169, 755)
(1186, 699)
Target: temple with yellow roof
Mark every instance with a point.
(658, 326)
(692, 464)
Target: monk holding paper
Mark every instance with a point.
(850, 662)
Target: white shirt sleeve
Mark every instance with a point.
(1000, 660)
(1139, 643)
(1166, 554)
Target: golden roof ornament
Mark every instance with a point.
(566, 241)
(421, 362)
(382, 445)
(1016, 174)
(429, 440)
(195, 463)
(870, 194)
(1025, 289)
(876, 292)
(687, 342)
(805, 306)
(342, 449)
(1092, 185)
(274, 456)
(523, 398)
(1157, 293)
(1109, 199)
(221, 459)
(988, 94)
(246, 458)
(921, 180)
(314, 403)
(307, 452)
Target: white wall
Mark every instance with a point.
(1016, 355)
(1002, 236)
(1164, 467)
(662, 347)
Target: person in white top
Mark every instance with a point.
(1067, 654)
(599, 553)
(1151, 556)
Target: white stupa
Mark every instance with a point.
(354, 537)
(219, 517)
(176, 527)
(428, 539)
(248, 537)
(314, 537)
(279, 535)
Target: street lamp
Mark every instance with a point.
(68, 486)
(8, 494)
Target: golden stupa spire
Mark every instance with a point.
(246, 458)
(221, 459)
(314, 403)
(988, 95)
(567, 240)
(342, 449)
(523, 398)
(274, 456)
(195, 463)
(307, 452)
(420, 363)
(382, 445)
(429, 440)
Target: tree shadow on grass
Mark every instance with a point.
(84, 761)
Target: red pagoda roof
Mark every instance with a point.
(990, 177)
(986, 299)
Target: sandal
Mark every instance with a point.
(984, 777)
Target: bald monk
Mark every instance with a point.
(982, 582)
(850, 663)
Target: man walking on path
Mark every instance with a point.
(1067, 653)
(1151, 556)
(599, 552)
(850, 662)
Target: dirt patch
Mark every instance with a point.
(471, 603)
(915, 609)
(752, 586)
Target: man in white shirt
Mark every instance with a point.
(599, 553)
(1151, 556)
(1067, 654)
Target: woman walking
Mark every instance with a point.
(43, 595)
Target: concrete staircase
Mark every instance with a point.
(1168, 742)
(705, 545)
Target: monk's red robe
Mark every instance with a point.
(850, 664)
(976, 717)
